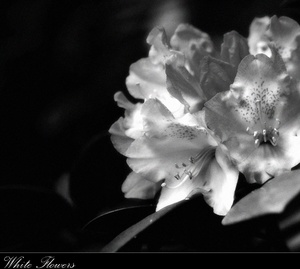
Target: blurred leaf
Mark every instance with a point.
(109, 224)
(270, 198)
(35, 219)
(289, 224)
(62, 187)
(97, 176)
(188, 226)
(134, 230)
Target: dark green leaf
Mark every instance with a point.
(189, 225)
(289, 224)
(134, 230)
(108, 225)
(271, 198)
(35, 219)
(97, 176)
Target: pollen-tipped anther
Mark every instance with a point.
(189, 173)
(264, 132)
(274, 141)
(177, 176)
(189, 170)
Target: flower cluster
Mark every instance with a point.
(204, 115)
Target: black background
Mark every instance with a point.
(61, 61)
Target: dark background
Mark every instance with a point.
(61, 61)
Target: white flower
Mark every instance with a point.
(183, 156)
(258, 118)
(284, 33)
(164, 136)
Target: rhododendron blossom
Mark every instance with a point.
(184, 157)
(258, 118)
(204, 115)
(284, 33)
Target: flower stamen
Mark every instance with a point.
(257, 143)
(267, 135)
(191, 169)
(264, 132)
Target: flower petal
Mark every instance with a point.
(221, 181)
(136, 186)
(221, 119)
(234, 48)
(183, 86)
(193, 43)
(257, 40)
(259, 78)
(119, 139)
(146, 79)
(265, 162)
(216, 181)
(166, 142)
(132, 123)
(156, 159)
(126, 129)
(160, 47)
(170, 196)
(230, 114)
(283, 32)
(155, 112)
(293, 65)
(215, 76)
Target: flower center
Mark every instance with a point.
(190, 169)
(265, 134)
